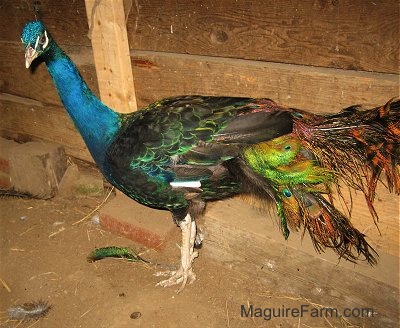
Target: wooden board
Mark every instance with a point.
(32, 120)
(359, 34)
(159, 75)
(107, 31)
(65, 19)
(248, 243)
(36, 83)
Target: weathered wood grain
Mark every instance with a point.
(361, 35)
(111, 54)
(35, 120)
(37, 83)
(159, 75)
(65, 19)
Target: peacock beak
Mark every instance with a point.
(30, 55)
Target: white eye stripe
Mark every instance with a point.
(37, 42)
(47, 40)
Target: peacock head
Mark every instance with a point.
(36, 41)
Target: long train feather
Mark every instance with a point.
(359, 145)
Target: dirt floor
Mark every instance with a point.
(43, 257)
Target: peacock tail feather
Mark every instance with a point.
(292, 172)
(355, 147)
(359, 145)
(115, 252)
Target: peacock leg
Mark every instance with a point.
(193, 234)
(185, 273)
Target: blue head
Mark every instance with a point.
(36, 41)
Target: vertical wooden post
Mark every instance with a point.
(107, 31)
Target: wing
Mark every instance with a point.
(183, 142)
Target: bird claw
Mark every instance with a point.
(168, 273)
(180, 276)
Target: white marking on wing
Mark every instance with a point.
(187, 184)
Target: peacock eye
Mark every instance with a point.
(43, 39)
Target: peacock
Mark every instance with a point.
(181, 152)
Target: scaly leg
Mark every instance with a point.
(185, 273)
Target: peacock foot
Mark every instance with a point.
(184, 274)
(180, 276)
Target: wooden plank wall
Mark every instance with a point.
(320, 55)
(359, 35)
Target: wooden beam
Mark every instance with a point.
(28, 119)
(159, 75)
(358, 35)
(316, 89)
(38, 84)
(107, 31)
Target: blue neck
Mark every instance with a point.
(96, 122)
